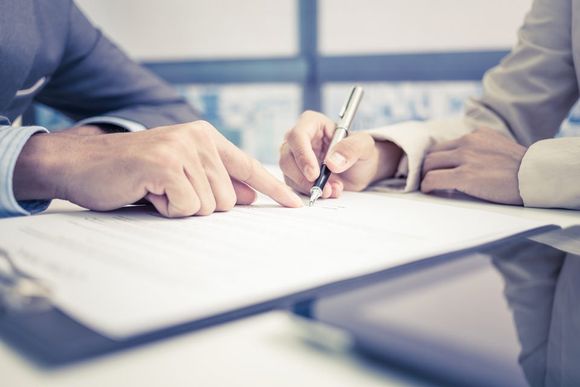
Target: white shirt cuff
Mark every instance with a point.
(128, 125)
(415, 138)
(12, 141)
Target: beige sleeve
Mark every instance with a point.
(529, 94)
(415, 138)
(549, 175)
(532, 90)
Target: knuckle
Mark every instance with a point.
(462, 155)
(346, 148)
(286, 136)
(207, 207)
(195, 207)
(249, 169)
(301, 157)
(205, 211)
(279, 190)
(225, 197)
(202, 128)
(226, 203)
(172, 135)
(427, 182)
(310, 113)
(175, 211)
(365, 139)
(226, 157)
(430, 177)
(304, 184)
(293, 136)
(463, 173)
(200, 131)
(208, 157)
(202, 125)
(289, 182)
(359, 186)
(285, 162)
(427, 162)
(469, 139)
(314, 115)
(164, 154)
(484, 132)
(296, 186)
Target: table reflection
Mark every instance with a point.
(542, 288)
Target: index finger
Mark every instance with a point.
(248, 170)
(444, 146)
(310, 128)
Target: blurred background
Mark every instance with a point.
(251, 67)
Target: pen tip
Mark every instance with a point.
(315, 193)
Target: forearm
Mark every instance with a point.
(43, 158)
(39, 163)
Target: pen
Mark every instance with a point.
(345, 119)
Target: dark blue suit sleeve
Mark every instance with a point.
(96, 78)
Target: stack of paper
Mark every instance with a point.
(131, 271)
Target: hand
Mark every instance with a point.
(356, 162)
(483, 164)
(183, 170)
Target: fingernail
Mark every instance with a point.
(309, 172)
(337, 159)
(327, 191)
(297, 201)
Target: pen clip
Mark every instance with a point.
(346, 103)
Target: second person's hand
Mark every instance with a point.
(356, 162)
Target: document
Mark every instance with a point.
(130, 271)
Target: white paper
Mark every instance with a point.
(132, 271)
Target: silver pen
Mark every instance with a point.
(345, 119)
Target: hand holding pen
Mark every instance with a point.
(355, 162)
(346, 116)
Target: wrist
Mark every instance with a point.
(38, 168)
(388, 158)
(86, 130)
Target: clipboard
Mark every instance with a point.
(49, 337)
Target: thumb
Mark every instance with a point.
(357, 147)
